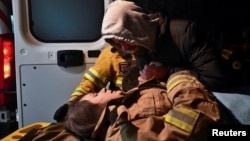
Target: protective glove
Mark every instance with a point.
(61, 112)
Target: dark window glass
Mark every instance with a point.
(66, 20)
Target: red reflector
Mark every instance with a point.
(7, 72)
(8, 56)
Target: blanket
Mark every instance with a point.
(237, 104)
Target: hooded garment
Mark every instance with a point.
(178, 44)
(126, 21)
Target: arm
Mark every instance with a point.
(198, 55)
(208, 68)
(194, 102)
(93, 79)
(193, 108)
(96, 77)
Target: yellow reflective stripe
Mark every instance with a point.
(73, 97)
(118, 83)
(226, 54)
(180, 78)
(182, 118)
(80, 91)
(189, 112)
(95, 73)
(77, 92)
(90, 78)
(95, 78)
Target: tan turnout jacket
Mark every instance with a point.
(149, 112)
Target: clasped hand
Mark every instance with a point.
(154, 69)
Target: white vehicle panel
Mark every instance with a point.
(42, 90)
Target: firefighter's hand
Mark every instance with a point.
(154, 69)
(61, 112)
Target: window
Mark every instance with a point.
(66, 20)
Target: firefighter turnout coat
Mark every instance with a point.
(110, 66)
(150, 112)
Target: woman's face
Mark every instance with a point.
(102, 97)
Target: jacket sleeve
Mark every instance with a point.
(199, 55)
(194, 107)
(208, 68)
(97, 76)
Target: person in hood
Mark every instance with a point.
(177, 44)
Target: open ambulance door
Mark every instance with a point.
(55, 42)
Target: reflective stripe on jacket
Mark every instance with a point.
(189, 108)
(109, 67)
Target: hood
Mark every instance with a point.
(126, 21)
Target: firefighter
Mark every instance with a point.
(177, 43)
(109, 69)
(147, 112)
(110, 66)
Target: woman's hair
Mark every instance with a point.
(82, 118)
